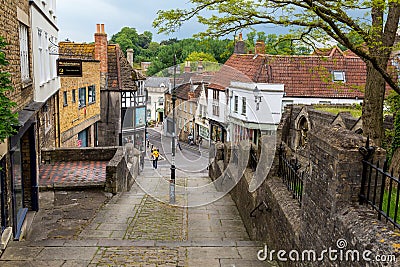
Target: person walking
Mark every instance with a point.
(155, 154)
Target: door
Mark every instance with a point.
(83, 138)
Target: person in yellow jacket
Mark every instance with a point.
(155, 154)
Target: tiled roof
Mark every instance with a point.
(121, 76)
(76, 50)
(157, 81)
(182, 91)
(239, 68)
(302, 76)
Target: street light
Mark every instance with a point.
(257, 97)
(172, 181)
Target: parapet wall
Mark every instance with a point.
(121, 170)
(329, 212)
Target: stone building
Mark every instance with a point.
(79, 96)
(24, 24)
(94, 105)
(114, 94)
(185, 107)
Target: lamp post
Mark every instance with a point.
(172, 181)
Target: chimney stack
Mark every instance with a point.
(187, 66)
(200, 66)
(260, 47)
(100, 48)
(239, 45)
(129, 56)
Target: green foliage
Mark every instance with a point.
(393, 136)
(355, 111)
(276, 44)
(210, 49)
(392, 202)
(350, 23)
(200, 56)
(9, 120)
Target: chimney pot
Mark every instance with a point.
(98, 28)
(102, 28)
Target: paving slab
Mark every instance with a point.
(135, 228)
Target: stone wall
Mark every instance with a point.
(109, 125)
(12, 13)
(122, 170)
(50, 155)
(329, 210)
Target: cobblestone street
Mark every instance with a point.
(136, 229)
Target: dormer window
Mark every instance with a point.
(338, 76)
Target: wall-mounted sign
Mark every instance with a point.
(140, 116)
(69, 67)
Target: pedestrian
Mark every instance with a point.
(155, 154)
(179, 145)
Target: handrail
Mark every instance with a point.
(257, 208)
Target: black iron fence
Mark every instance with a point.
(290, 174)
(379, 188)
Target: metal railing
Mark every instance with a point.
(381, 190)
(292, 178)
(253, 159)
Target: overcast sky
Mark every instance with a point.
(77, 19)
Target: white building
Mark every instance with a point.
(44, 38)
(254, 109)
(201, 118)
(217, 105)
(156, 87)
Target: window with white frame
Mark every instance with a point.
(41, 56)
(91, 94)
(338, 76)
(46, 61)
(243, 106)
(215, 110)
(24, 52)
(236, 104)
(215, 94)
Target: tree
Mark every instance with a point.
(376, 24)
(393, 104)
(144, 39)
(9, 120)
(200, 56)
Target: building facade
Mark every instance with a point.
(46, 82)
(156, 86)
(332, 77)
(79, 100)
(19, 157)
